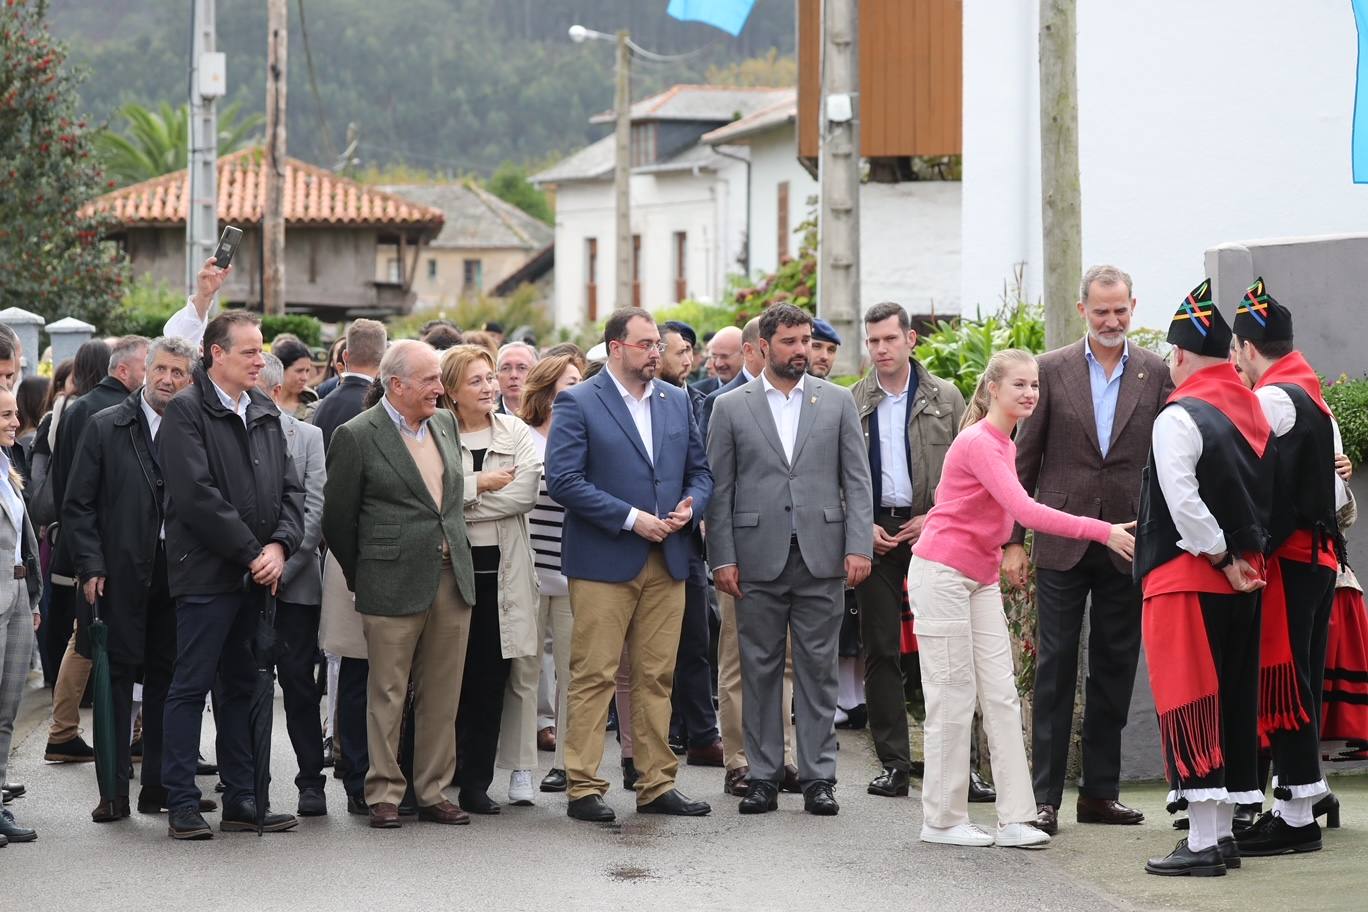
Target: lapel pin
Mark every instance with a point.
(1140, 376)
(813, 400)
(662, 395)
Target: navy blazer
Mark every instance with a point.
(596, 467)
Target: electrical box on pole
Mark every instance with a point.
(208, 82)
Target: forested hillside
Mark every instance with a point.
(452, 86)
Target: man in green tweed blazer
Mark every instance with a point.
(393, 518)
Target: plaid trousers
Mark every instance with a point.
(16, 652)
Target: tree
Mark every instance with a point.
(52, 260)
(156, 142)
(510, 184)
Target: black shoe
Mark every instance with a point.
(676, 804)
(135, 750)
(12, 790)
(74, 750)
(820, 799)
(357, 805)
(111, 810)
(1328, 807)
(312, 803)
(242, 819)
(205, 768)
(629, 775)
(328, 758)
(478, 802)
(187, 823)
(677, 746)
(13, 831)
(4, 841)
(1230, 852)
(1183, 862)
(1277, 838)
(856, 718)
(612, 717)
(555, 781)
(761, 798)
(591, 808)
(891, 783)
(1246, 815)
(980, 792)
(220, 787)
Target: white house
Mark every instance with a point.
(688, 205)
(1199, 123)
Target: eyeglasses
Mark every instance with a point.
(645, 346)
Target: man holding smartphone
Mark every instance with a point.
(189, 322)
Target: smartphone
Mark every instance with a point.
(227, 246)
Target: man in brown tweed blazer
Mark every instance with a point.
(1083, 451)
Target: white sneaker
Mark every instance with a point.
(520, 788)
(1020, 836)
(962, 834)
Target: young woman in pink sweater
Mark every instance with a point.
(964, 648)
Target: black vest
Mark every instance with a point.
(1304, 485)
(1234, 483)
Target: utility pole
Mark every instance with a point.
(207, 72)
(1060, 190)
(273, 216)
(838, 222)
(622, 172)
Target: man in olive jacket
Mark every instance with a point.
(393, 517)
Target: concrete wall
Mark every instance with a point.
(1198, 122)
(910, 246)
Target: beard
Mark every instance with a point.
(1110, 340)
(792, 369)
(647, 372)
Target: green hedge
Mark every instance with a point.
(1348, 399)
(148, 304)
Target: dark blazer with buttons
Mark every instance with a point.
(381, 523)
(1059, 458)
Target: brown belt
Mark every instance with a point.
(20, 571)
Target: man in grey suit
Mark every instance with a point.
(299, 602)
(790, 523)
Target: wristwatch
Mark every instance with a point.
(1225, 561)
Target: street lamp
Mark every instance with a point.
(622, 165)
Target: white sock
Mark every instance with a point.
(1204, 824)
(1295, 812)
(1225, 820)
(851, 675)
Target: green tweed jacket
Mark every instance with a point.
(380, 521)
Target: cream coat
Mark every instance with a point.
(511, 444)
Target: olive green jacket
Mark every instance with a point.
(380, 521)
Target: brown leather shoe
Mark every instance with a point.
(1047, 819)
(737, 781)
(384, 816)
(546, 739)
(791, 783)
(443, 812)
(111, 810)
(1107, 810)
(705, 756)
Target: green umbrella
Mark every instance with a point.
(102, 692)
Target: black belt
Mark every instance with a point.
(896, 512)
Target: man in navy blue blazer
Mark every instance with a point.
(626, 460)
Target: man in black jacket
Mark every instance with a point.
(366, 341)
(234, 514)
(113, 518)
(127, 365)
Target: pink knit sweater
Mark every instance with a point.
(978, 500)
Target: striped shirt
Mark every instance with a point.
(545, 522)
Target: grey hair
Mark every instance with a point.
(1104, 275)
(174, 346)
(125, 348)
(272, 373)
(509, 346)
(395, 363)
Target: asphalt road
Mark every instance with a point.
(536, 858)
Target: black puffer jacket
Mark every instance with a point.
(230, 489)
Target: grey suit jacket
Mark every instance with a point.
(8, 533)
(302, 582)
(759, 498)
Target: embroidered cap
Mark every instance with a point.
(1198, 326)
(1260, 318)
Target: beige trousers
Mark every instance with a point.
(645, 613)
(429, 646)
(965, 653)
(729, 691)
(66, 694)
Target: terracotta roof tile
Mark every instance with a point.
(313, 196)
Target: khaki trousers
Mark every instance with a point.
(430, 646)
(729, 691)
(67, 690)
(646, 614)
(966, 658)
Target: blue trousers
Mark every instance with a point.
(213, 645)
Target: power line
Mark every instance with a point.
(313, 87)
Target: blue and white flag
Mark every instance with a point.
(1360, 134)
(728, 15)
